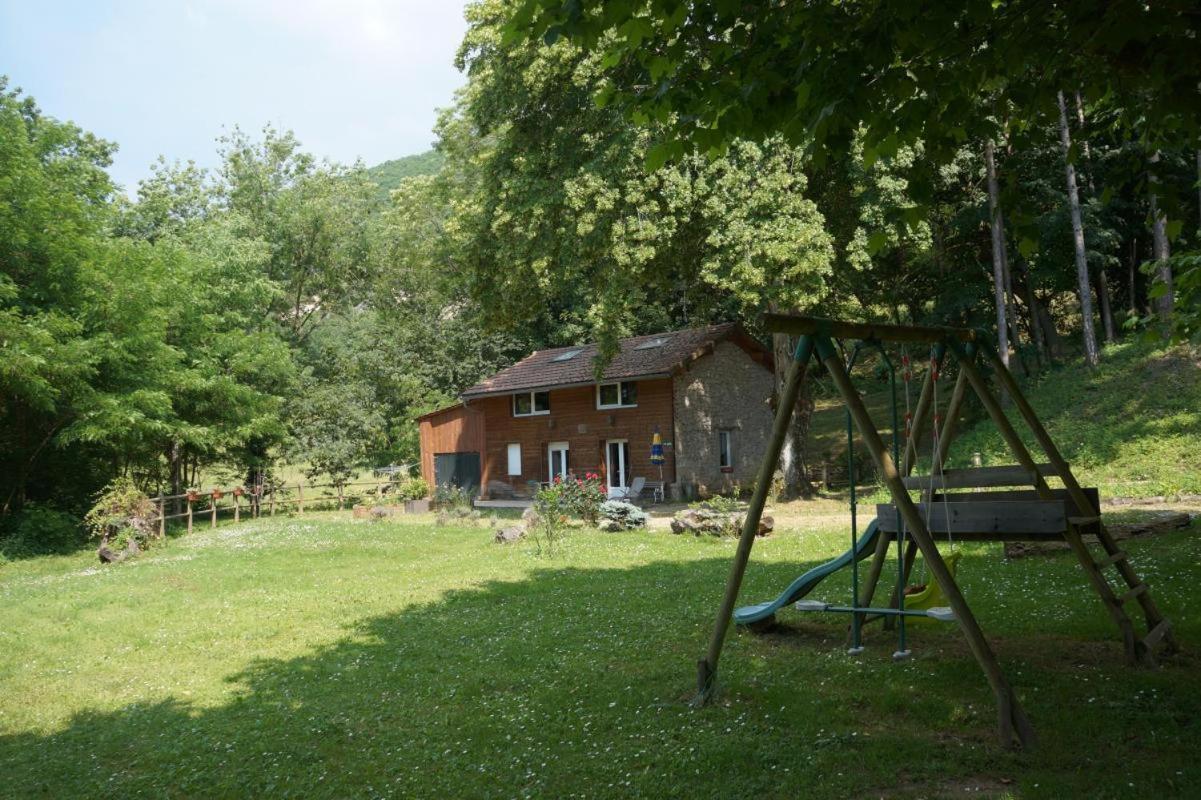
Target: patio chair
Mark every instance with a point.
(633, 491)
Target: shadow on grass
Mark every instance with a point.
(576, 682)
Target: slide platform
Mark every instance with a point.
(805, 584)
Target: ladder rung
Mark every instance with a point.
(1084, 520)
(1133, 593)
(1157, 633)
(1112, 559)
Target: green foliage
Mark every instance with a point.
(719, 504)
(451, 498)
(894, 75)
(619, 515)
(38, 530)
(580, 498)
(413, 489)
(121, 512)
(390, 174)
(1185, 324)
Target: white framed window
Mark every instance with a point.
(620, 394)
(725, 451)
(515, 458)
(529, 404)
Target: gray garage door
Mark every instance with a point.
(457, 469)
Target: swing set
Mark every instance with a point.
(991, 510)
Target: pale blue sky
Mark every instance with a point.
(354, 78)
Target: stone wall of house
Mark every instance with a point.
(726, 390)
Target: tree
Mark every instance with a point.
(823, 74)
(561, 219)
(1091, 355)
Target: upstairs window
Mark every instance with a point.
(623, 394)
(725, 451)
(528, 404)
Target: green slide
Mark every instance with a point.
(804, 584)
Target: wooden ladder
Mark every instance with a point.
(1139, 650)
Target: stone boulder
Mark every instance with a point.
(514, 533)
(699, 521)
(109, 556)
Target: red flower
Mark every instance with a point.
(558, 479)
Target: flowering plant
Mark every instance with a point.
(578, 497)
(217, 494)
(239, 491)
(193, 495)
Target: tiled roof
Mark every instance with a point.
(658, 354)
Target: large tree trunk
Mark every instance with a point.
(1091, 355)
(794, 464)
(1036, 331)
(1102, 282)
(998, 254)
(1054, 344)
(1161, 251)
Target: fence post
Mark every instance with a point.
(237, 507)
(189, 514)
(339, 497)
(162, 520)
(300, 495)
(272, 501)
(213, 510)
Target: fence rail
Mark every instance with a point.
(261, 503)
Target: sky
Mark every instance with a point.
(352, 78)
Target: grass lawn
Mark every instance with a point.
(330, 658)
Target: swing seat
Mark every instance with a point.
(932, 596)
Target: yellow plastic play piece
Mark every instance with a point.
(931, 596)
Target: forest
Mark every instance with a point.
(282, 310)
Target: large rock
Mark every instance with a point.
(698, 521)
(511, 534)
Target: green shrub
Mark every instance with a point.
(36, 530)
(413, 489)
(718, 504)
(451, 497)
(122, 512)
(622, 516)
(577, 497)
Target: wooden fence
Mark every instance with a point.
(233, 503)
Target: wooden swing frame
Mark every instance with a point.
(816, 337)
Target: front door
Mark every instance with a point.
(617, 466)
(556, 456)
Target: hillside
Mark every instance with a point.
(390, 173)
(1131, 427)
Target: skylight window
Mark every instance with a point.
(570, 354)
(651, 344)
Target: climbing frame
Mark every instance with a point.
(1071, 512)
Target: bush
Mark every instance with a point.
(622, 516)
(718, 504)
(450, 497)
(576, 497)
(413, 489)
(122, 512)
(36, 531)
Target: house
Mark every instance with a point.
(706, 391)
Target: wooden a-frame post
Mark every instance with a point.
(707, 667)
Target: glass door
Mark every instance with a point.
(617, 466)
(557, 459)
